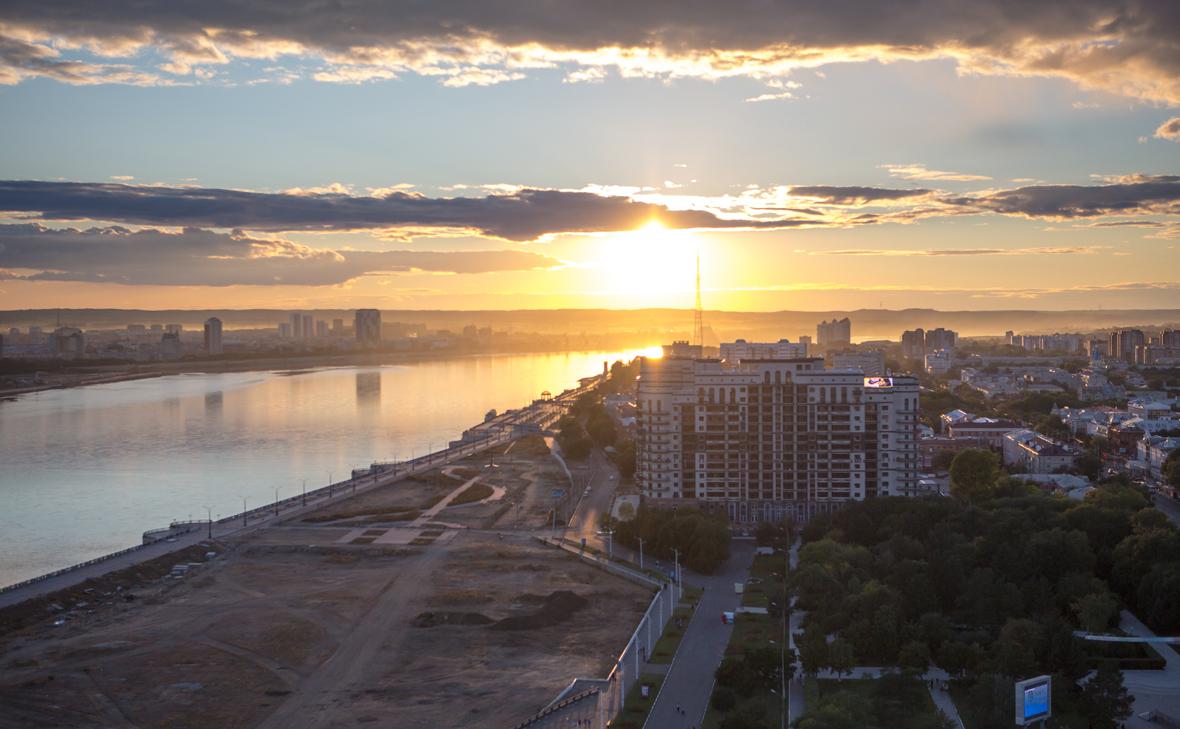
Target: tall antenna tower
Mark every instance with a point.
(698, 324)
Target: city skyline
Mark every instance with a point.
(964, 158)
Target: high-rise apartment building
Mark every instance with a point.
(296, 325)
(917, 343)
(1123, 343)
(367, 326)
(833, 332)
(213, 336)
(307, 326)
(321, 329)
(768, 439)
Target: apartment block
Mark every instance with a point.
(768, 439)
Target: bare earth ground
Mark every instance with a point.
(302, 626)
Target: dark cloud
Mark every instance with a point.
(1134, 195)
(1127, 46)
(852, 195)
(1169, 129)
(197, 257)
(520, 216)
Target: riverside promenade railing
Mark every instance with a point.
(541, 414)
(612, 690)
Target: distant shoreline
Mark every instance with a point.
(107, 374)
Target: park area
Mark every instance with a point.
(327, 620)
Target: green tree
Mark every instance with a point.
(1105, 698)
(973, 474)
(813, 650)
(1158, 597)
(1095, 611)
(942, 460)
(841, 657)
(914, 656)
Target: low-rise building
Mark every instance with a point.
(1036, 453)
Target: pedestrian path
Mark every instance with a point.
(684, 697)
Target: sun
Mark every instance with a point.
(651, 266)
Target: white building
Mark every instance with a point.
(769, 439)
(740, 349)
(869, 362)
(938, 362)
(1036, 453)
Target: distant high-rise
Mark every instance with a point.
(296, 326)
(368, 326)
(170, 347)
(284, 330)
(913, 343)
(1123, 343)
(321, 329)
(834, 332)
(308, 326)
(213, 336)
(338, 326)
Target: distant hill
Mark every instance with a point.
(660, 323)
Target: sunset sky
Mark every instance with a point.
(975, 154)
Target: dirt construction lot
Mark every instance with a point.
(302, 626)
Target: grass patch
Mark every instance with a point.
(474, 492)
(891, 695)
(635, 706)
(666, 646)
(752, 631)
(383, 513)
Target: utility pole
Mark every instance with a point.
(305, 492)
(329, 484)
(243, 511)
(641, 553)
(676, 574)
(209, 509)
(276, 500)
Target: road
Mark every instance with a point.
(601, 477)
(1170, 507)
(1152, 690)
(690, 677)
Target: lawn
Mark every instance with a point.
(666, 646)
(474, 492)
(635, 706)
(867, 693)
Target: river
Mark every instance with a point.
(85, 471)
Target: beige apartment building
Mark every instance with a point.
(768, 439)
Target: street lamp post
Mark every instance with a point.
(209, 509)
(305, 492)
(276, 500)
(676, 572)
(243, 511)
(329, 484)
(641, 553)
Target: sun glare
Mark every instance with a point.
(651, 266)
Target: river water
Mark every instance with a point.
(86, 471)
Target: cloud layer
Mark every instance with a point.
(1125, 46)
(530, 214)
(195, 257)
(522, 215)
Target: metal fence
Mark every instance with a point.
(628, 667)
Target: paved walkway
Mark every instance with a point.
(690, 677)
(1152, 690)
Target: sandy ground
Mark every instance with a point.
(304, 625)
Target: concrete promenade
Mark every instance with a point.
(689, 680)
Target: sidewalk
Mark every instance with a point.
(691, 675)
